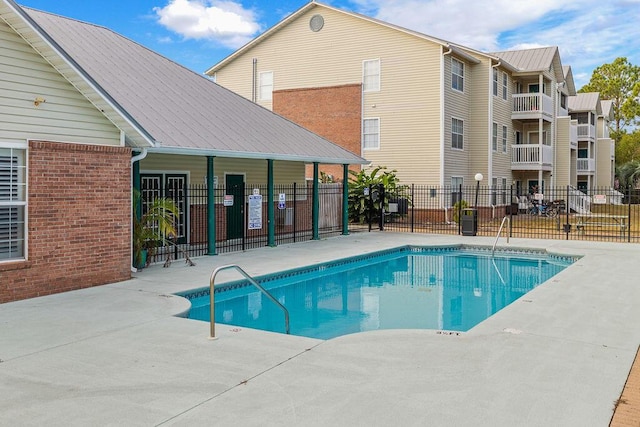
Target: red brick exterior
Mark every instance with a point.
(79, 230)
(334, 113)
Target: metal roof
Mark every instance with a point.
(589, 101)
(534, 60)
(182, 111)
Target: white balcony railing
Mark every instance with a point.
(586, 132)
(586, 165)
(530, 156)
(530, 104)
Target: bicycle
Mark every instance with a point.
(550, 210)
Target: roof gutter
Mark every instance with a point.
(258, 156)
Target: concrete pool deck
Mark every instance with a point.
(118, 355)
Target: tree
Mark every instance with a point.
(617, 82)
(628, 148)
(629, 174)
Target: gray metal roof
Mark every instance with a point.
(181, 110)
(607, 108)
(534, 60)
(589, 101)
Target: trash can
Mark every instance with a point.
(469, 222)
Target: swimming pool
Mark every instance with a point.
(449, 288)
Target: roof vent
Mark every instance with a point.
(316, 23)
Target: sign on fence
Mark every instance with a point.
(255, 212)
(599, 199)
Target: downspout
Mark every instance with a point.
(442, 125)
(490, 155)
(135, 172)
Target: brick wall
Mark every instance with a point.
(334, 113)
(79, 221)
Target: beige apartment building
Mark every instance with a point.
(437, 112)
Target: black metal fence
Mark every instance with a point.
(601, 214)
(554, 213)
(241, 218)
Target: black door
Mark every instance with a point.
(234, 186)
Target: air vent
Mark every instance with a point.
(316, 23)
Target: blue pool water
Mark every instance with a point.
(451, 288)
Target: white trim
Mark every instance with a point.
(379, 132)
(379, 75)
(461, 76)
(463, 134)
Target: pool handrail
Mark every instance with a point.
(505, 219)
(212, 321)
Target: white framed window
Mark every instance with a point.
(371, 134)
(13, 202)
(266, 86)
(503, 183)
(456, 184)
(457, 133)
(457, 74)
(371, 75)
(494, 136)
(505, 86)
(494, 190)
(495, 82)
(504, 139)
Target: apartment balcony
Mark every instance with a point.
(532, 106)
(586, 166)
(531, 157)
(586, 132)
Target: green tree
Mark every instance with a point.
(628, 148)
(629, 174)
(618, 81)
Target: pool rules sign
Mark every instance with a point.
(255, 211)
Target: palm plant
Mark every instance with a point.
(154, 227)
(629, 174)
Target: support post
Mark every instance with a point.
(345, 200)
(315, 212)
(271, 221)
(211, 208)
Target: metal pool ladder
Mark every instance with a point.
(505, 219)
(212, 321)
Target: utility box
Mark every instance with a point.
(469, 222)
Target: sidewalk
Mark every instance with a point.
(118, 355)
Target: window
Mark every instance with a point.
(494, 137)
(370, 134)
(505, 85)
(13, 202)
(456, 184)
(266, 86)
(494, 189)
(371, 75)
(457, 75)
(504, 139)
(495, 82)
(504, 191)
(457, 134)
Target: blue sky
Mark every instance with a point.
(199, 33)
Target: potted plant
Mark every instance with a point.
(152, 228)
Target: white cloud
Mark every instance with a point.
(226, 22)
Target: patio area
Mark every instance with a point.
(118, 354)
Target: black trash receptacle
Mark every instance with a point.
(469, 222)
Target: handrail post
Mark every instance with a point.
(212, 319)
